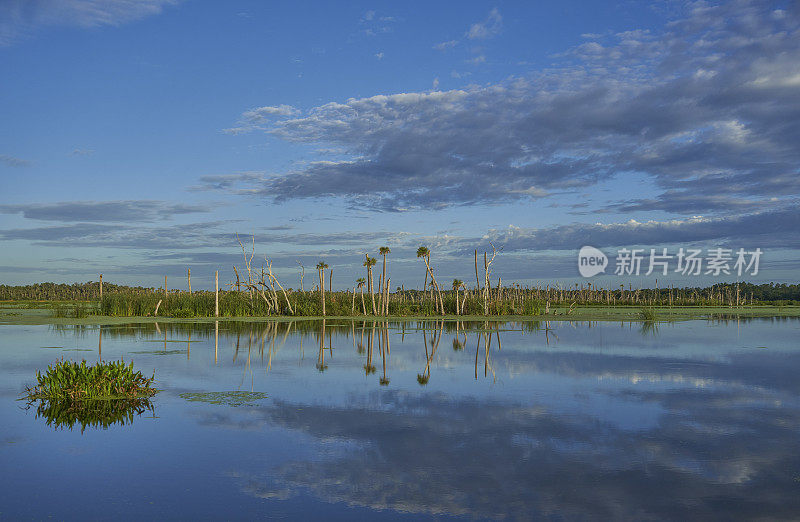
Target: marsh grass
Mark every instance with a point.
(303, 304)
(239, 304)
(77, 310)
(260, 299)
(648, 314)
(183, 305)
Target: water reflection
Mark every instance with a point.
(712, 456)
(96, 414)
(265, 339)
(256, 344)
(694, 420)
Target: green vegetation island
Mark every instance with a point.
(73, 393)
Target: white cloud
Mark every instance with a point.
(256, 118)
(488, 28)
(375, 24)
(443, 46)
(12, 161)
(21, 17)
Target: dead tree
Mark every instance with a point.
(302, 274)
(487, 271)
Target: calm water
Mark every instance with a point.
(603, 421)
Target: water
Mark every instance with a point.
(690, 420)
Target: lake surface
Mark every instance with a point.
(689, 420)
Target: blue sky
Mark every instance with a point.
(137, 138)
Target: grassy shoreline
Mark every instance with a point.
(18, 315)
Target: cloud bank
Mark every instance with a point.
(773, 229)
(708, 110)
(103, 211)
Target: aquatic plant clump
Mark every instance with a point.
(648, 314)
(232, 398)
(74, 382)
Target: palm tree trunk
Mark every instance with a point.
(439, 293)
(380, 295)
(383, 283)
(486, 288)
(386, 300)
(499, 291)
(440, 304)
(363, 305)
(372, 291)
(477, 279)
(322, 290)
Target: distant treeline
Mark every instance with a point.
(130, 300)
(63, 292)
(257, 292)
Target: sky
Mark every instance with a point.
(138, 138)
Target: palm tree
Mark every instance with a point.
(425, 254)
(456, 285)
(369, 263)
(321, 266)
(361, 282)
(384, 286)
